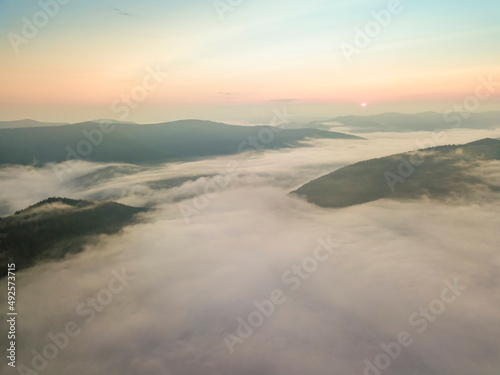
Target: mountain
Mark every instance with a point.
(58, 226)
(401, 122)
(445, 172)
(111, 121)
(144, 144)
(27, 124)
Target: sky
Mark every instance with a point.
(231, 60)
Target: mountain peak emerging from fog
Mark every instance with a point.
(54, 227)
(485, 142)
(447, 173)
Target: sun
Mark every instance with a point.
(363, 105)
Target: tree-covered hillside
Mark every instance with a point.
(145, 144)
(58, 226)
(445, 172)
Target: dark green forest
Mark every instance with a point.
(55, 227)
(444, 172)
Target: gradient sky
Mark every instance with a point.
(263, 55)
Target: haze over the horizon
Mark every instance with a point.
(243, 61)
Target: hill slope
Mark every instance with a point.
(57, 226)
(143, 144)
(446, 172)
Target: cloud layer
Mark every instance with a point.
(189, 283)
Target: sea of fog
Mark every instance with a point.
(229, 274)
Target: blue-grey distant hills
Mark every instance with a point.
(27, 124)
(402, 122)
(145, 144)
(445, 173)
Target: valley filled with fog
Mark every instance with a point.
(319, 290)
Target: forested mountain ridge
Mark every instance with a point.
(54, 227)
(444, 172)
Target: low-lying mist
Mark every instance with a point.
(179, 292)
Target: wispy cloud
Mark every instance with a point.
(122, 12)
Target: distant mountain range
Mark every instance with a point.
(27, 124)
(58, 226)
(445, 172)
(385, 122)
(400, 122)
(145, 144)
